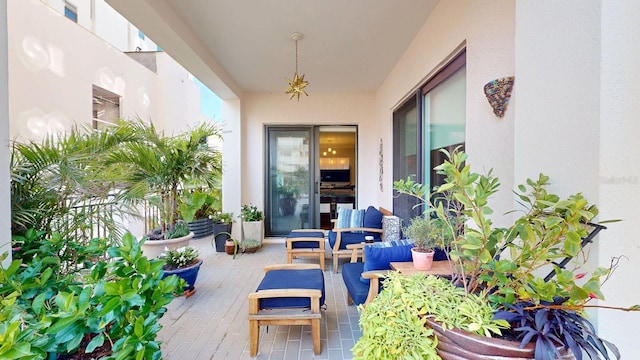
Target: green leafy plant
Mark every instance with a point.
(506, 264)
(393, 324)
(108, 310)
(425, 233)
(251, 213)
(250, 244)
(222, 217)
(155, 167)
(179, 258)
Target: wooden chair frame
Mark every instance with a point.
(336, 252)
(318, 252)
(284, 316)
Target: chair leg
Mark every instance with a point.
(349, 299)
(289, 258)
(254, 337)
(335, 263)
(322, 261)
(315, 334)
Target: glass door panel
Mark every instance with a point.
(289, 203)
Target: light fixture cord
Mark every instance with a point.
(296, 56)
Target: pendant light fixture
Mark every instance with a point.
(297, 85)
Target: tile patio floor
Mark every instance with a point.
(213, 323)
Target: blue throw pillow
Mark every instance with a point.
(348, 218)
(379, 255)
(372, 218)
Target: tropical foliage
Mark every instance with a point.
(108, 309)
(507, 265)
(157, 167)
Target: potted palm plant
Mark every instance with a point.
(505, 268)
(155, 168)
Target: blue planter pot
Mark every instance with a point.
(189, 274)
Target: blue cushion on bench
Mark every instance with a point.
(379, 255)
(305, 244)
(351, 277)
(291, 279)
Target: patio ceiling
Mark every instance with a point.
(238, 46)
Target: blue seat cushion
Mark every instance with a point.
(305, 244)
(291, 279)
(351, 277)
(351, 238)
(378, 256)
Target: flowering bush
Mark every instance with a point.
(179, 258)
(251, 213)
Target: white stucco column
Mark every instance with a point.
(232, 162)
(5, 192)
(619, 171)
(577, 78)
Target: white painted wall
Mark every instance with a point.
(576, 79)
(316, 109)
(5, 191)
(619, 176)
(53, 64)
(182, 104)
(487, 30)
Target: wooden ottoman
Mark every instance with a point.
(289, 294)
(306, 242)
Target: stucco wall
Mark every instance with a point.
(316, 109)
(53, 63)
(619, 177)
(487, 31)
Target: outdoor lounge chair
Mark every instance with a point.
(289, 294)
(345, 233)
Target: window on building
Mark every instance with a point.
(140, 34)
(71, 12)
(432, 119)
(106, 107)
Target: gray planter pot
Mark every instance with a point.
(219, 237)
(201, 227)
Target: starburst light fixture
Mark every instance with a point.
(297, 85)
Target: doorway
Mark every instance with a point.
(311, 172)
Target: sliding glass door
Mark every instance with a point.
(290, 183)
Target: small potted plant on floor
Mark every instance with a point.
(250, 245)
(184, 263)
(425, 233)
(252, 222)
(222, 225)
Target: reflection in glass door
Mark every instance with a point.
(289, 201)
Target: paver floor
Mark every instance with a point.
(213, 323)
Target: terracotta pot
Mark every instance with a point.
(456, 344)
(422, 260)
(229, 247)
